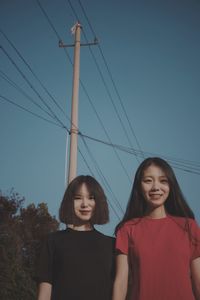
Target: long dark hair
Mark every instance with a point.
(175, 204)
(66, 211)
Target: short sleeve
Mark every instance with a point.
(122, 240)
(195, 233)
(45, 261)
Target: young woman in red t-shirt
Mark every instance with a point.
(158, 240)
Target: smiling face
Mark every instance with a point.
(155, 188)
(84, 205)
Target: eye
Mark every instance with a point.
(147, 180)
(164, 180)
(91, 197)
(76, 197)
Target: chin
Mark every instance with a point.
(82, 221)
(155, 205)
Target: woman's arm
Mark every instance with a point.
(121, 279)
(195, 272)
(44, 292)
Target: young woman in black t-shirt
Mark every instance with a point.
(78, 263)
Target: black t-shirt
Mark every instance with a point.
(78, 264)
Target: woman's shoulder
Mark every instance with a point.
(55, 235)
(130, 224)
(182, 220)
(185, 222)
(104, 236)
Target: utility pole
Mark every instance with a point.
(76, 29)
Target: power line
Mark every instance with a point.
(137, 153)
(184, 165)
(84, 89)
(44, 119)
(110, 97)
(140, 153)
(98, 117)
(28, 111)
(181, 164)
(19, 89)
(32, 72)
(85, 161)
(112, 80)
(53, 28)
(105, 182)
(31, 86)
(104, 178)
(105, 131)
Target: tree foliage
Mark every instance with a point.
(22, 231)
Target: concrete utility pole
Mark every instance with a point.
(74, 110)
(76, 29)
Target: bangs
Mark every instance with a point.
(90, 189)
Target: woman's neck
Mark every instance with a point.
(83, 227)
(156, 213)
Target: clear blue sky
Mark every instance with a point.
(148, 49)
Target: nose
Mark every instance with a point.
(84, 202)
(155, 186)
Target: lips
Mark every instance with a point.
(85, 211)
(155, 195)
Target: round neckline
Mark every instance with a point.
(156, 219)
(79, 231)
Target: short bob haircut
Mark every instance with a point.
(175, 204)
(66, 211)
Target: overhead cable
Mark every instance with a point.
(84, 89)
(30, 112)
(31, 86)
(111, 78)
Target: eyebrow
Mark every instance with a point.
(162, 176)
(79, 194)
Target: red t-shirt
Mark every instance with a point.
(160, 252)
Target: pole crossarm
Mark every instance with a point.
(61, 45)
